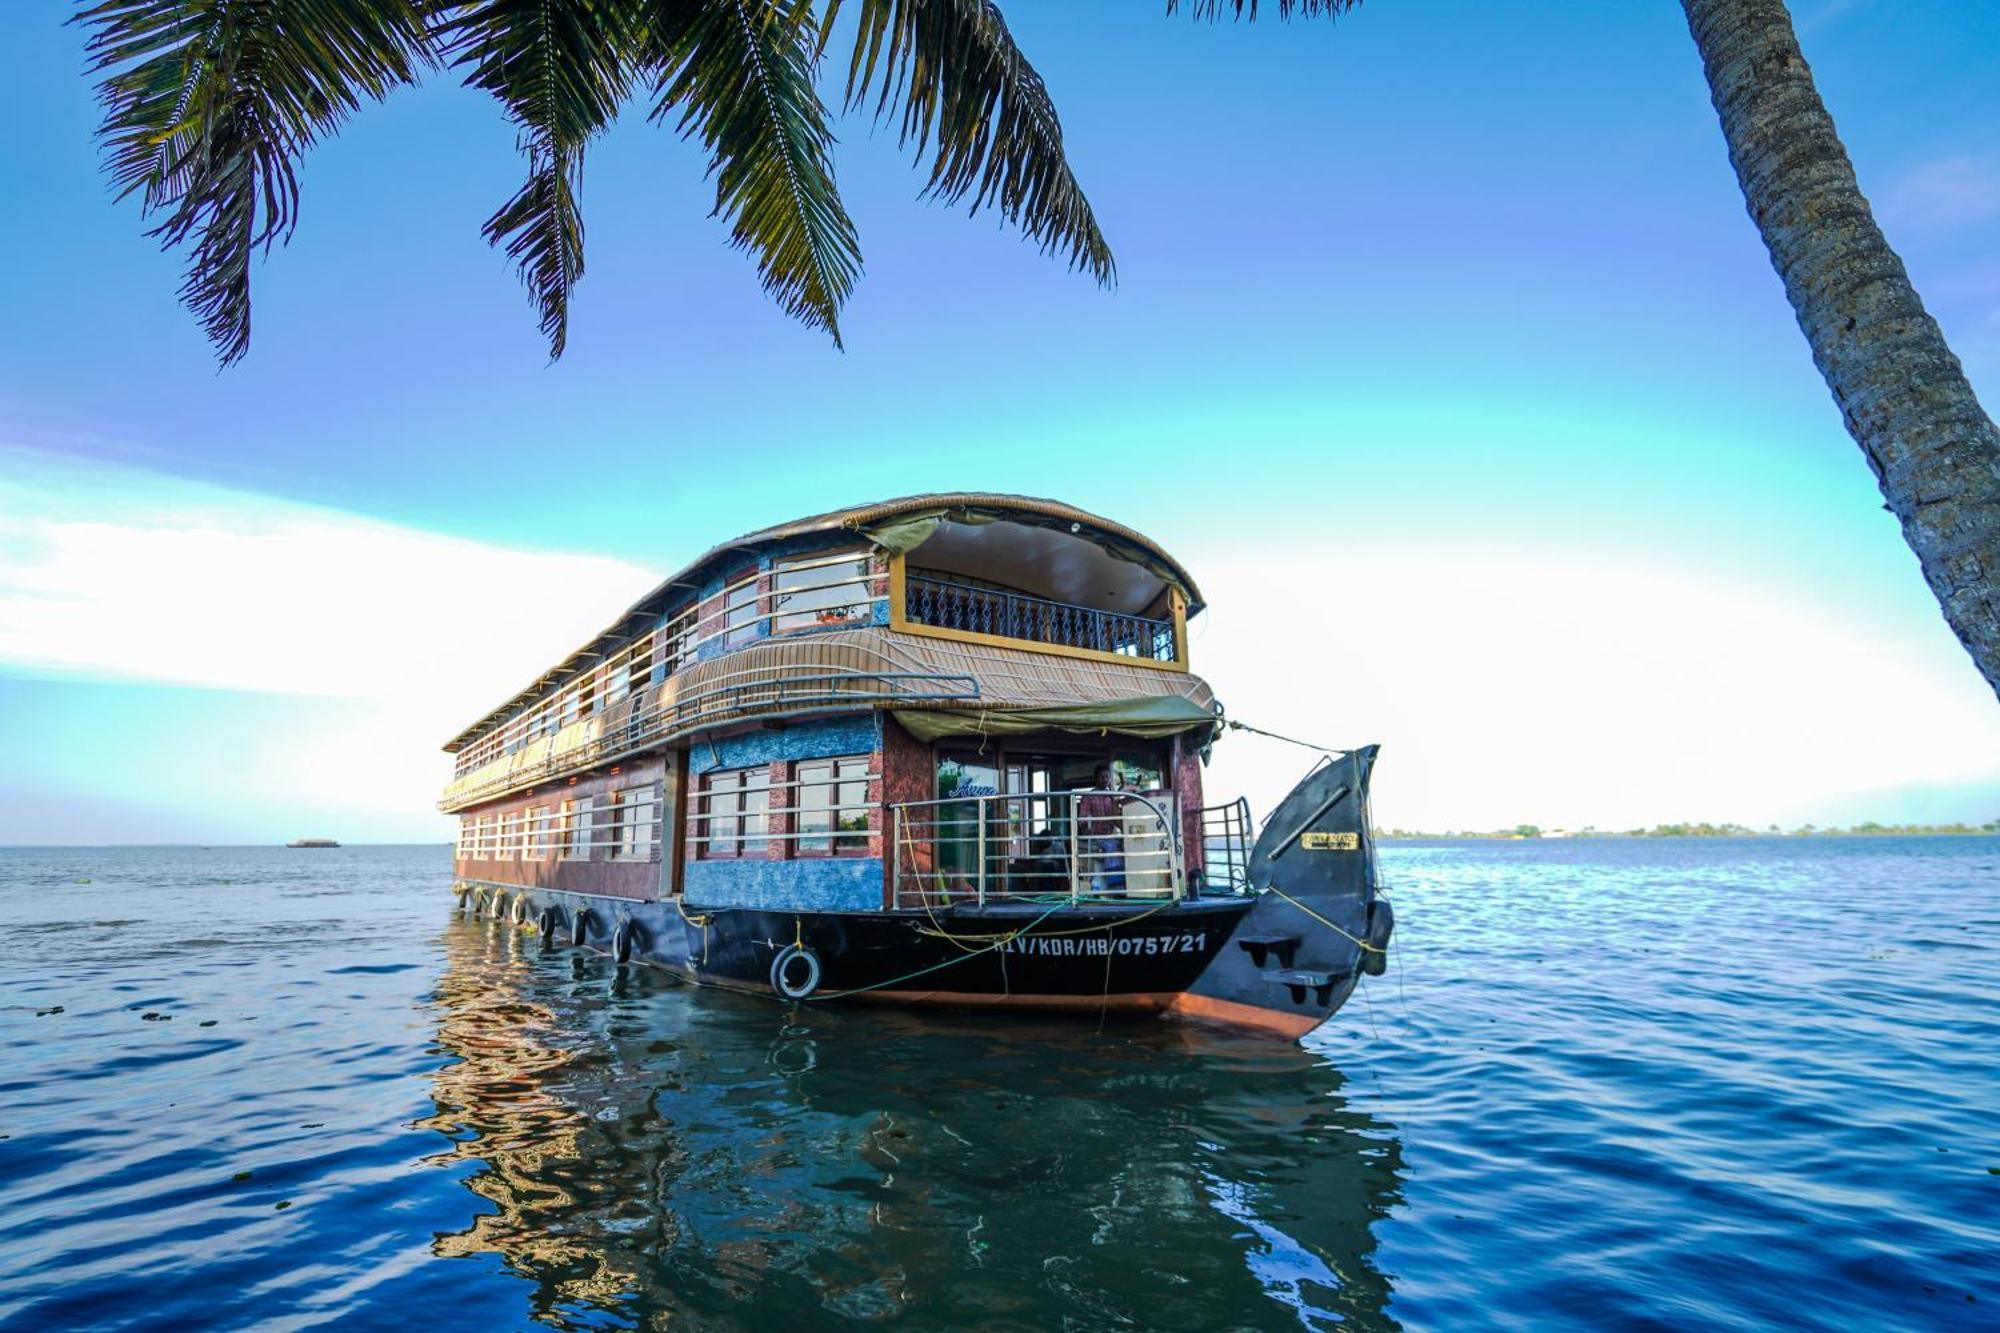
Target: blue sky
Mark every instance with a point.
(1444, 321)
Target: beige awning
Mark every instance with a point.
(1149, 716)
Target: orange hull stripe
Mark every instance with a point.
(1145, 1001)
(1207, 1009)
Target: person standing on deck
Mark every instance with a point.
(1100, 831)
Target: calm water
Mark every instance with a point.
(1677, 1084)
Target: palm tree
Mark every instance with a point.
(1934, 450)
(210, 103)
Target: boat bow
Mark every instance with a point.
(1317, 924)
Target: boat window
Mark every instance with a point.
(634, 826)
(538, 832)
(730, 815)
(739, 612)
(833, 807)
(820, 592)
(639, 670)
(1137, 771)
(675, 639)
(577, 823)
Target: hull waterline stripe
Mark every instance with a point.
(1208, 1009)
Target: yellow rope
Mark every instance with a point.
(1324, 922)
(699, 921)
(924, 901)
(1049, 934)
(937, 930)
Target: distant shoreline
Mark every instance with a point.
(1529, 833)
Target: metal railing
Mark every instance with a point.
(1043, 846)
(855, 584)
(780, 691)
(1226, 840)
(931, 598)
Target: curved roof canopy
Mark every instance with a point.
(898, 526)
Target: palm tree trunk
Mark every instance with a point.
(1905, 398)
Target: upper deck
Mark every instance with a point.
(940, 607)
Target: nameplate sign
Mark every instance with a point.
(1330, 842)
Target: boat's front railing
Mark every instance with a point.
(931, 598)
(1226, 840)
(1078, 846)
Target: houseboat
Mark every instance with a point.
(944, 749)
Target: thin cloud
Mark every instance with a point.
(1562, 689)
(1944, 195)
(118, 573)
(1511, 686)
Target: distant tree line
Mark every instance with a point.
(1866, 828)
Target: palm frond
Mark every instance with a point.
(1210, 10)
(969, 95)
(561, 68)
(739, 73)
(208, 106)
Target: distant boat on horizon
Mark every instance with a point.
(312, 842)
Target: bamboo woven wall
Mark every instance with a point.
(773, 678)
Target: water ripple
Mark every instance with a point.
(1732, 1084)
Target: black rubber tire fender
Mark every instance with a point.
(781, 980)
(1381, 925)
(579, 927)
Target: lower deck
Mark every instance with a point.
(854, 813)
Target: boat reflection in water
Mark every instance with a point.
(655, 1154)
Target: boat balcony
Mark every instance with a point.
(943, 601)
(1048, 847)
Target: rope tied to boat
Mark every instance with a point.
(1104, 926)
(1365, 946)
(1234, 725)
(999, 943)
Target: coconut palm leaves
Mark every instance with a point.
(210, 104)
(1247, 9)
(561, 68)
(739, 73)
(971, 98)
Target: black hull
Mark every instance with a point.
(1281, 960)
(1142, 958)
(1140, 955)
